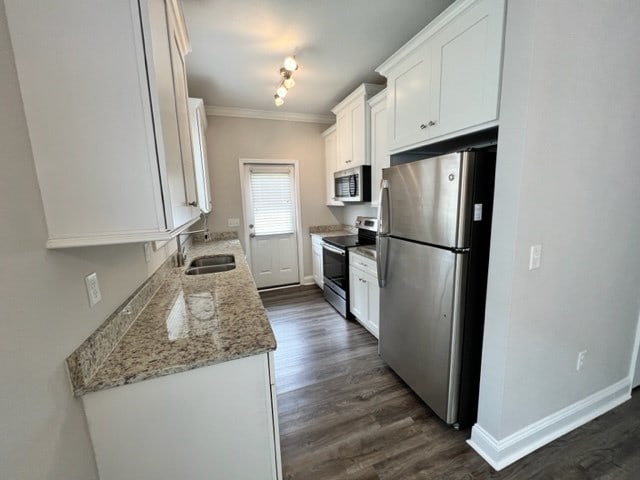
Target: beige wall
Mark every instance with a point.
(44, 311)
(230, 139)
(567, 178)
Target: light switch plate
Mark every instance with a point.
(93, 288)
(534, 257)
(233, 222)
(147, 252)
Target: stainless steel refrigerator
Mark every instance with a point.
(433, 247)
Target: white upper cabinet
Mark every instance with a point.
(446, 80)
(198, 122)
(352, 127)
(105, 98)
(331, 163)
(379, 146)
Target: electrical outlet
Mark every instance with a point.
(534, 257)
(233, 222)
(93, 289)
(580, 360)
(147, 252)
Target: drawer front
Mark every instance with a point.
(363, 263)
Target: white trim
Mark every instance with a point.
(307, 280)
(379, 97)
(365, 90)
(181, 28)
(634, 357)
(501, 453)
(117, 238)
(215, 111)
(296, 172)
(329, 130)
(431, 29)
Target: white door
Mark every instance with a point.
(271, 219)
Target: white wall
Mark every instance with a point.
(230, 139)
(350, 212)
(567, 178)
(44, 312)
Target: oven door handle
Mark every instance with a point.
(333, 249)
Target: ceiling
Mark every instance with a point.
(239, 45)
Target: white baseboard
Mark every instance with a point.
(501, 453)
(307, 280)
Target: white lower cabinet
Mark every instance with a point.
(364, 293)
(316, 250)
(218, 421)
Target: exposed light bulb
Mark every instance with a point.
(290, 64)
(279, 101)
(281, 91)
(288, 83)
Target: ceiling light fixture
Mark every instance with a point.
(291, 64)
(286, 82)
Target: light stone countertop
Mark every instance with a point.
(368, 251)
(192, 321)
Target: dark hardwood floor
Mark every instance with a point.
(345, 415)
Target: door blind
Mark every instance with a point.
(272, 199)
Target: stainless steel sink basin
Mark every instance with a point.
(211, 264)
(212, 260)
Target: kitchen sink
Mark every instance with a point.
(212, 260)
(211, 264)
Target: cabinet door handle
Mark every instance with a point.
(193, 204)
(431, 123)
(423, 126)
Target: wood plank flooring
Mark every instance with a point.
(345, 415)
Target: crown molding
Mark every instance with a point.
(215, 111)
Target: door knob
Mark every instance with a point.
(252, 235)
(193, 204)
(251, 225)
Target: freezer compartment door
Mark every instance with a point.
(420, 322)
(428, 200)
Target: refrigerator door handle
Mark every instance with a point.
(383, 232)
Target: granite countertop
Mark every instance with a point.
(191, 321)
(368, 251)
(331, 230)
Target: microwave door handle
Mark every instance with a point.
(383, 232)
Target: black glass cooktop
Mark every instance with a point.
(348, 241)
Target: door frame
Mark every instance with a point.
(296, 190)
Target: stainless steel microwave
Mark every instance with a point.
(353, 184)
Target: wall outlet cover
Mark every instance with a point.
(93, 289)
(233, 222)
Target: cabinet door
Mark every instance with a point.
(358, 294)
(379, 151)
(317, 264)
(409, 101)
(465, 78)
(358, 134)
(344, 132)
(331, 165)
(182, 112)
(373, 304)
(198, 123)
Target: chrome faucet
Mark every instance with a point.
(181, 254)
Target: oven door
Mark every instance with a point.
(334, 264)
